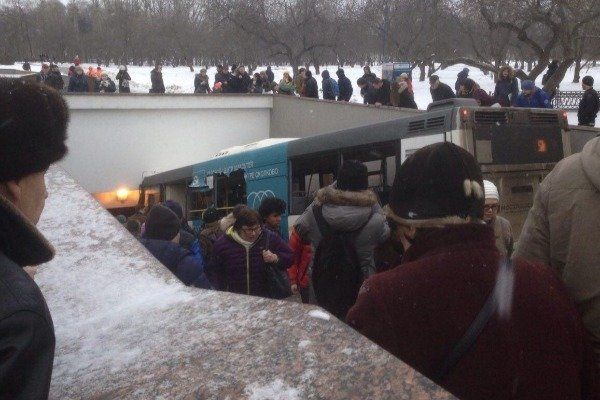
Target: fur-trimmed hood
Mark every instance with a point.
(345, 210)
(20, 240)
(226, 222)
(331, 195)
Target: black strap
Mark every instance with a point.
(462, 347)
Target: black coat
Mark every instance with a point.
(78, 83)
(270, 75)
(507, 91)
(588, 108)
(124, 79)
(55, 80)
(406, 99)
(383, 96)
(107, 86)
(345, 88)
(371, 94)
(311, 89)
(442, 92)
(239, 84)
(26, 329)
(158, 86)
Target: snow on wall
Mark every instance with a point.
(126, 328)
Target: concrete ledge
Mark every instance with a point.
(126, 328)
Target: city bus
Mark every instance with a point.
(516, 148)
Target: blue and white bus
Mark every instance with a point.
(515, 147)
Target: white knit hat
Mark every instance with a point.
(491, 191)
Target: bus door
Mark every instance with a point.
(516, 148)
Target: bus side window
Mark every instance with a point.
(309, 174)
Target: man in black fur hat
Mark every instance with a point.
(33, 130)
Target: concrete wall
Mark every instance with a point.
(114, 139)
(302, 117)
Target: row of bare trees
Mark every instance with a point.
(431, 34)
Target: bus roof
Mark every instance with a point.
(438, 120)
(251, 146)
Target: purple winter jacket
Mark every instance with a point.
(230, 271)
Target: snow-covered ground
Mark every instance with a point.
(181, 79)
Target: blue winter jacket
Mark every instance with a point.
(181, 262)
(539, 99)
(328, 87)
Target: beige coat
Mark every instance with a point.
(563, 230)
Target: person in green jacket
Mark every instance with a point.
(286, 85)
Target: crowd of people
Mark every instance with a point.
(373, 90)
(434, 277)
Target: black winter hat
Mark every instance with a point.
(162, 223)
(440, 184)
(340, 72)
(307, 74)
(588, 81)
(353, 176)
(33, 128)
(175, 207)
(210, 215)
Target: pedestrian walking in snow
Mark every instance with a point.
(124, 80)
(156, 78)
(439, 90)
(455, 309)
(33, 132)
(345, 86)
(589, 104)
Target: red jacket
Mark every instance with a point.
(302, 253)
(420, 309)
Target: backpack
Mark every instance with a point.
(337, 274)
(336, 88)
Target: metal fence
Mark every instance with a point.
(567, 100)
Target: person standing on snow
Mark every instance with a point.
(311, 88)
(328, 86)
(54, 78)
(158, 86)
(589, 104)
(286, 85)
(106, 85)
(201, 84)
(471, 90)
(123, 78)
(402, 94)
(507, 87)
(461, 78)
(78, 83)
(439, 90)
(456, 310)
(270, 75)
(345, 86)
